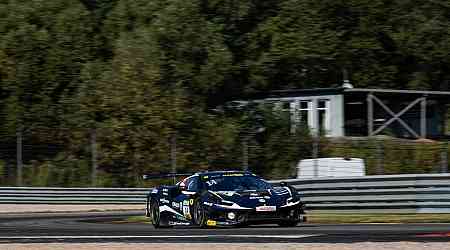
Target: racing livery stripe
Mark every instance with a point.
(168, 209)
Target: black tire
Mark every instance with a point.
(147, 208)
(293, 221)
(199, 214)
(155, 215)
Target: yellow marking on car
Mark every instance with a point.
(211, 223)
(191, 201)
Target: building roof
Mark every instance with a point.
(395, 91)
(445, 95)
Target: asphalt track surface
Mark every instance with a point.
(98, 227)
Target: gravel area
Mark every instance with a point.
(229, 246)
(41, 208)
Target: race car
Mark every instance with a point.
(224, 198)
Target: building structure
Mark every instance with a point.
(348, 111)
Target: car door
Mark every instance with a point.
(183, 202)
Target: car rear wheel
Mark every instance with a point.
(199, 214)
(155, 214)
(293, 220)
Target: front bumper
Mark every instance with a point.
(246, 217)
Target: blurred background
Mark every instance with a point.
(98, 92)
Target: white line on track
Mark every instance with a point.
(153, 236)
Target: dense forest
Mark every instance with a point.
(139, 76)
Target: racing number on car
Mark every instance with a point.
(186, 210)
(211, 182)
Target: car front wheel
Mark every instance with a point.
(199, 214)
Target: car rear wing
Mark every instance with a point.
(163, 176)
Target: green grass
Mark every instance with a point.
(347, 218)
(378, 218)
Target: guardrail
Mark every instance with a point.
(428, 193)
(374, 194)
(44, 195)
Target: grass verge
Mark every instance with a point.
(348, 218)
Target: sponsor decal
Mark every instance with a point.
(211, 223)
(174, 223)
(262, 200)
(175, 204)
(235, 174)
(191, 202)
(208, 203)
(266, 208)
(185, 202)
(155, 191)
(256, 198)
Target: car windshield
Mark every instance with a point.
(235, 183)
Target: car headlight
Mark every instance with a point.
(231, 215)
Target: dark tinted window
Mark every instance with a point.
(192, 184)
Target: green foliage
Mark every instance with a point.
(388, 156)
(140, 72)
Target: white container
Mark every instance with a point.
(331, 167)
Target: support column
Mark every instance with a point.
(444, 157)
(245, 153)
(93, 140)
(369, 114)
(315, 152)
(315, 135)
(173, 155)
(19, 150)
(423, 118)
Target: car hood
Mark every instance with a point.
(276, 196)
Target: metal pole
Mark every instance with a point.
(19, 134)
(315, 136)
(173, 155)
(423, 118)
(444, 158)
(380, 156)
(93, 141)
(315, 153)
(245, 153)
(369, 115)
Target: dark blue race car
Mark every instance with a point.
(224, 198)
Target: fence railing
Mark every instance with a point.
(43, 195)
(371, 194)
(377, 194)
